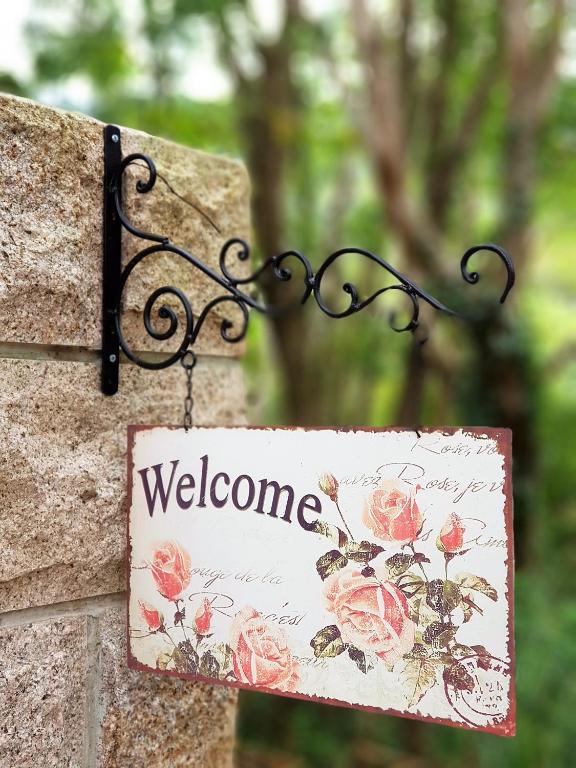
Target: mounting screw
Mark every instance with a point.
(115, 138)
(112, 358)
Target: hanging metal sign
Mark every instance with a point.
(363, 568)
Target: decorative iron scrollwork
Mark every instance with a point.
(279, 266)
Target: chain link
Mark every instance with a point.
(188, 361)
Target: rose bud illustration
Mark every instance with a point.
(391, 512)
(203, 618)
(153, 618)
(171, 569)
(329, 485)
(451, 538)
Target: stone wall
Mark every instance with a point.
(66, 696)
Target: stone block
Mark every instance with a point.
(63, 467)
(43, 694)
(51, 194)
(158, 721)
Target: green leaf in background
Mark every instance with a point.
(330, 563)
(327, 643)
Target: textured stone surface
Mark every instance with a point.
(62, 467)
(51, 227)
(158, 722)
(43, 694)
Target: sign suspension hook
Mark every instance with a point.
(188, 361)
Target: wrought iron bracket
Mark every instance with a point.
(115, 277)
(112, 261)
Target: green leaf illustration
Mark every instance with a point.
(185, 658)
(438, 635)
(224, 656)
(468, 612)
(457, 676)
(469, 607)
(468, 581)
(420, 675)
(209, 666)
(420, 613)
(441, 657)
(327, 643)
(362, 552)
(164, 660)
(418, 651)
(411, 585)
(399, 563)
(483, 657)
(359, 658)
(330, 563)
(179, 616)
(331, 532)
(443, 596)
(460, 651)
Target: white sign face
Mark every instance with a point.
(364, 568)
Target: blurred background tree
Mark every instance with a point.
(413, 129)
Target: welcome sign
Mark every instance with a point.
(362, 568)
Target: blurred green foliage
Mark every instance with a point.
(131, 66)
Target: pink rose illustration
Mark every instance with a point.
(171, 569)
(392, 513)
(371, 613)
(261, 654)
(451, 538)
(153, 618)
(203, 618)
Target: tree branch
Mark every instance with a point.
(449, 160)
(545, 60)
(408, 61)
(437, 98)
(385, 137)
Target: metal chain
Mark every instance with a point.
(188, 361)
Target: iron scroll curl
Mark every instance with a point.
(236, 251)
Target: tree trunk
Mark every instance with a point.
(270, 110)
